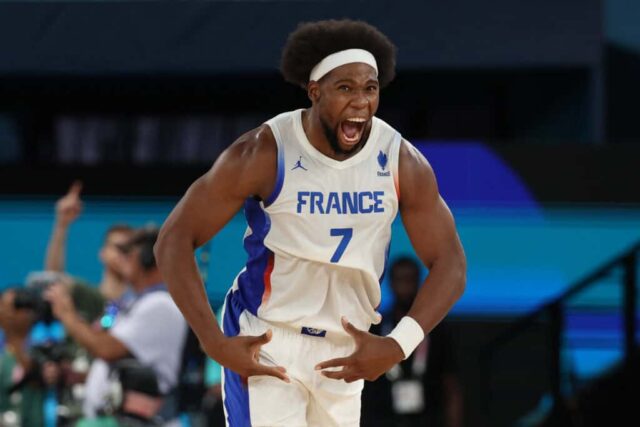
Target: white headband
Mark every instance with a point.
(338, 59)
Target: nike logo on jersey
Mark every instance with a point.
(357, 202)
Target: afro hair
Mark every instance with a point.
(311, 42)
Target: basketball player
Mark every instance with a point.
(320, 188)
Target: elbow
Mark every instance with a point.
(105, 355)
(172, 241)
(460, 284)
(109, 356)
(460, 276)
(110, 351)
(101, 352)
(160, 248)
(456, 266)
(174, 236)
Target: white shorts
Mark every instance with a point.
(309, 400)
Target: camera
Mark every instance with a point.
(134, 399)
(33, 300)
(31, 297)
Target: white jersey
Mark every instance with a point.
(318, 245)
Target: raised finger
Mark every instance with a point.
(75, 188)
(336, 375)
(262, 339)
(334, 363)
(273, 371)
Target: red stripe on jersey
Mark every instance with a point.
(267, 279)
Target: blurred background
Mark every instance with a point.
(526, 110)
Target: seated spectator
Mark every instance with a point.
(150, 328)
(50, 343)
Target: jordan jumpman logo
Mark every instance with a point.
(299, 165)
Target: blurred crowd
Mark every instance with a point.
(113, 353)
(119, 352)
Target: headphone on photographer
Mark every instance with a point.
(145, 239)
(147, 258)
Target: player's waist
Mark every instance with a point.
(333, 335)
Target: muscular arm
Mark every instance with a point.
(247, 168)
(433, 235)
(432, 232)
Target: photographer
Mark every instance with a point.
(150, 328)
(68, 208)
(14, 359)
(16, 323)
(23, 371)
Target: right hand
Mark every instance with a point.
(59, 296)
(69, 206)
(241, 355)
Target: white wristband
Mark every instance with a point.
(408, 334)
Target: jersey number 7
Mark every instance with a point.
(347, 234)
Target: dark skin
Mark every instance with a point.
(348, 91)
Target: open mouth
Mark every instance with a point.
(352, 130)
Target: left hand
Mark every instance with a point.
(373, 357)
(61, 303)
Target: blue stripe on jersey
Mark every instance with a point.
(236, 394)
(386, 262)
(279, 178)
(251, 281)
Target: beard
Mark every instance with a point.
(331, 136)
